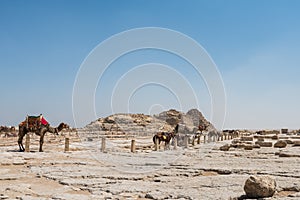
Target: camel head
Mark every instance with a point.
(62, 126)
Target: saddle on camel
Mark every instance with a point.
(39, 126)
(34, 123)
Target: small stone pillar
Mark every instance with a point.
(186, 141)
(67, 144)
(198, 139)
(175, 143)
(204, 139)
(103, 144)
(284, 130)
(132, 148)
(156, 144)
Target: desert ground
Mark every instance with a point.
(198, 171)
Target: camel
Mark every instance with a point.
(199, 132)
(38, 128)
(165, 137)
(7, 129)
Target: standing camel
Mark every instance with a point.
(166, 137)
(40, 129)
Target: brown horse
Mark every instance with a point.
(40, 129)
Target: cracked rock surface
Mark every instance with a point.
(202, 171)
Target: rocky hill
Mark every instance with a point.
(119, 125)
(188, 122)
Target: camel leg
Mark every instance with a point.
(167, 145)
(20, 140)
(41, 142)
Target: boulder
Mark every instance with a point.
(225, 147)
(260, 187)
(280, 144)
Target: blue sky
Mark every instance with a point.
(255, 45)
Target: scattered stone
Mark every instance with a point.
(223, 171)
(247, 138)
(260, 186)
(295, 195)
(288, 155)
(261, 139)
(240, 146)
(274, 137)
(225, 147)
(280, 144)
(248, 147)
(294, 188)
(264, 144)
(289, 141)
(109, 119)
(296, 143)
(235, 141)
(19, 162)
(2, 196)
(154, 195)
(256, 146)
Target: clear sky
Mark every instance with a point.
(254, 43)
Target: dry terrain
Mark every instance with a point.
(201, 171)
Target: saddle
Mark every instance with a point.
(35, 122)
(163, 135)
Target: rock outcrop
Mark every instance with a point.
(120, 125)
(188, 123)
(260, 186)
